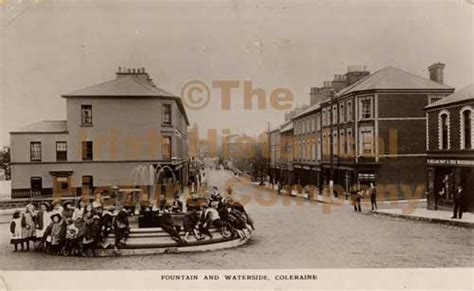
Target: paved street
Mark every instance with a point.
(298, 235)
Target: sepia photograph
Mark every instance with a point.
(236, 144)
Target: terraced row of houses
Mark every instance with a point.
(361, 128)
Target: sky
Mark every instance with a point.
(48, 48)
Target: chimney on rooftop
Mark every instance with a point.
(437, 72)
(315, 95)
(355, 73)
(339, 82)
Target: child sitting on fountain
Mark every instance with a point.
(190, 224)
(168, 226)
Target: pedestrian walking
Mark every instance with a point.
(458, 203)
(373, 197)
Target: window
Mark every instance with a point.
(349, 141)
(313, 123)
(166, 114)
(35, 151)
(349, 111)
(324, 117)
(318, 150)
(36, 184)
(365, 108)
(87, 151)
(334, 143)
(86, 114)
(366, 141)
(342, 143)
(334, 114)
(466, 128)
(166, 147)
(328, 117)
(342, 114)
(87, 182)
(318, 121)
(444, 130)
(61, 151)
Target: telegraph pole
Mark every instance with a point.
(331, 146)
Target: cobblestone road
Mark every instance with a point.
(298, 235)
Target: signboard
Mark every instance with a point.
(451, 162)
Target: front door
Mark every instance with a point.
(61, 186)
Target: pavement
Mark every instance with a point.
(434, 216)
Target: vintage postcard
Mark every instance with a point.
(227, 144)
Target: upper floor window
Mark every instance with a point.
(35, 151)
(86, 114)
(334, 114)
(365, 105)
(61, 151)
(349, 142)
(443, 130)
(341, 113)
(313, 122)
(366, 141)
(87, 151)
(466, 128)
(166, 147)
(349, 110)
(166, 114)
(318, 121)
(324, 117)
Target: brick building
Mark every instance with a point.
(373, 127)
(450, 150)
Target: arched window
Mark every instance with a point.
(466, 127)
(443, 125)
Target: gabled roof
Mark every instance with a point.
(464, 94)
(125, 86)
(391, 78)
(45, 126)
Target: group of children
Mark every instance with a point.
(67, 229)
(228, 216)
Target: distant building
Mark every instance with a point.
(111, 129)
(450, 147)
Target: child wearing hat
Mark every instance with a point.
(168, 226)
(121, 229)
(16, 231)
(91, 236)
(57, 233)
(190, 222)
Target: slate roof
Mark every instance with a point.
(307, 110)
(45, 126)
(391, 78)
(463, 94)
(286, 126)
(125, 86)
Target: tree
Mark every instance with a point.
(5, 162)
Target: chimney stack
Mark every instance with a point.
(339, 82)
(315, 95)
(355, 73)
(437, 72)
